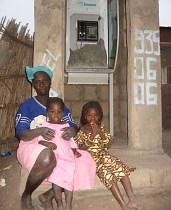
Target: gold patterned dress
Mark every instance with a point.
(108, 167)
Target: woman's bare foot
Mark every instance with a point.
(26, 202)
(47, 204)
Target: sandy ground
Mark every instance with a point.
(10, 199)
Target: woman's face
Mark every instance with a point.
(55, 113)
(92, 116)
(41, 83)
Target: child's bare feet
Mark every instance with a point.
(133, 205)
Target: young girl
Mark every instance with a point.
(94, 138)
(63, 175)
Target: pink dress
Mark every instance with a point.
(27, 153)
(70, 172)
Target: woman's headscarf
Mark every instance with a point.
(31, 71)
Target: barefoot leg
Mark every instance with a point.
(129, 191)
(46, 199)
(117, 194)
(58, 196)
(42, 168)
(68, 199)
(26, 202)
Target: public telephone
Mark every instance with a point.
(91, 27)
(87, 30)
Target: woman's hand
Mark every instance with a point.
(47, 133)
(29, 134)
(69, 132)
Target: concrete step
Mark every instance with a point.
(152, 175)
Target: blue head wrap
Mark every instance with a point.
(31, 71)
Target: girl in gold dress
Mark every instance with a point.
(94, 138)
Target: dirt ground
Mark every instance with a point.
(10, 179)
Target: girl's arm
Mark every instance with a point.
(29, 134)
(86, 145)
(80, 140)
(107, 137)
(109, 144)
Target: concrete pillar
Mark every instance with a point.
(144, 76)
(50, 40)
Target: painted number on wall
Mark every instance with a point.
(145, 77)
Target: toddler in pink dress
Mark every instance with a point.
(75, 169)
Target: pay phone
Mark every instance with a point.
(91, 27)
(87, 31)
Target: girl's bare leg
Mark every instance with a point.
(129, 191)
(58, 196)
(117, 194)
(68, 199)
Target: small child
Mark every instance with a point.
(94, 138)
(67, 175)
(63, 174)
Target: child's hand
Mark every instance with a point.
(48, 144)
(95, 129)
(52, 145)
(77, 154)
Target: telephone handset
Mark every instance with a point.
(82, 29)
